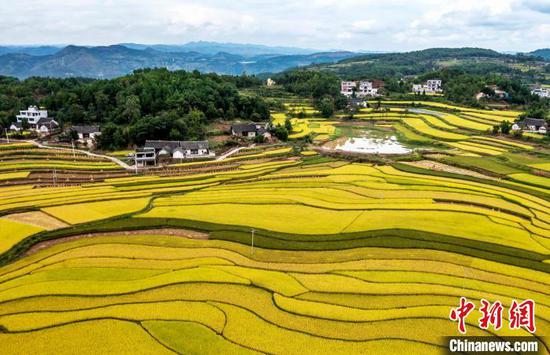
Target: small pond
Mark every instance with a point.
(369, 145)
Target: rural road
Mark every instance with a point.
(113, 159)
(120, 162)
(231, 152)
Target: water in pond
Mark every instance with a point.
(370, 145)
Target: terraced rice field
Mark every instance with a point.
(163, 294)
(275, 251)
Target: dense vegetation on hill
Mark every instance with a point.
(464, 71)
(323, 88)
(470, 60)
(148, 104)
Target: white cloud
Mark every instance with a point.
(324, 24)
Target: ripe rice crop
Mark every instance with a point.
(86, 212)
(12, 232)
(419, 125)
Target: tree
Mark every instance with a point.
(505, 127)
(326, 106)
(25, 124)
(281, 133)
(132, 109)
(288, 124)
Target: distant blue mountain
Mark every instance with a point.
(30, 50)
(544, 53)
(119, 60)
(245, 50)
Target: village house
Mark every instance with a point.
(270, 82)
(37, 119)
(500, 94)
(347, 88)
(145, 156)
(545, 93)
(355, 103)
(433, 86)
(534, 125)
(250, 130)
(87, 134)
(360, 88)
(154, 151)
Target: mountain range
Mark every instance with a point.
(235, 59)
(117, 60)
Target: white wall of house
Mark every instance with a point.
(43, 129)
(541, 92)
(178, 154)
(346, 87)
(32, 115)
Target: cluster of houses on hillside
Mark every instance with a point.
(360, 88)
(158, 151)
(433, 86)
(37, 120)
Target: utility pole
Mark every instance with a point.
(54, 177)
(135, 162)
(7, 137)
(252, 243)
(74, 155)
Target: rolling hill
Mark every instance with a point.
(118, 60)
(470, 60)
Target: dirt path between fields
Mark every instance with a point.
(185, 233)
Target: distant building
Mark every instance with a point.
(37, 119)
(270, 82)
(534, 125)
(357, 102)
(541, 92)
(361, 88)
(87, 134)
(500, 94)
(347, 87)
(154, 151)
(32, 115)
(180, 149)
(145, 156)
(433, 86)
(250, 130)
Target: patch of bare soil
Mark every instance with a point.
(165, 231)
(38, 219)
(433, 165)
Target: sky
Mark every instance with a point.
(369, 25)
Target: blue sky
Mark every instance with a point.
(385, 25)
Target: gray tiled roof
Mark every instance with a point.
(537, 122)
(85, 129)
(171, 146)
(244, 127)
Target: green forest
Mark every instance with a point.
(148, 104)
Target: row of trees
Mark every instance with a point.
(148, 104)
